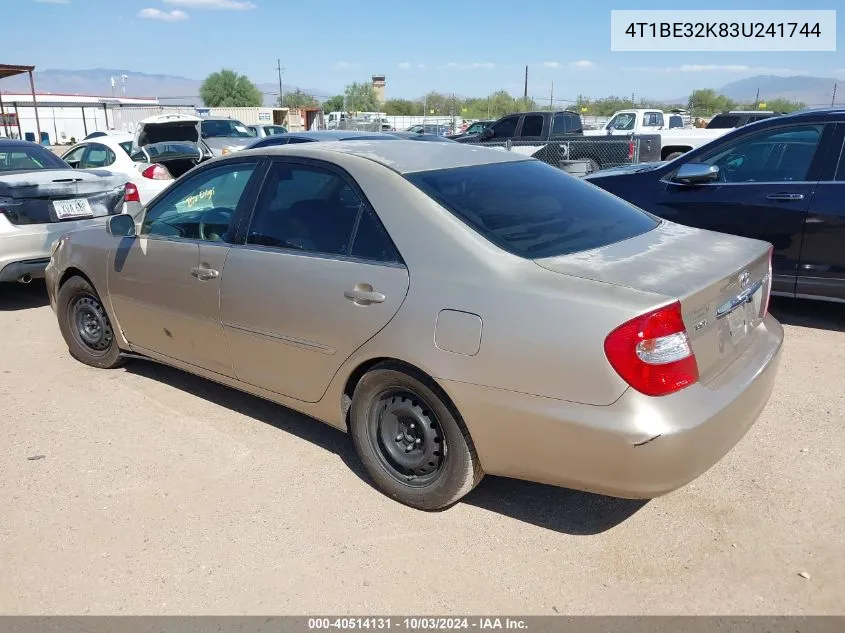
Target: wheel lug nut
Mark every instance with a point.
(412, 425)
(399, 438)
(418, 441)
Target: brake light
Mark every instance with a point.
(157, 172)
(652, 352)
(631, 149)
(768, 285)
(130, 193)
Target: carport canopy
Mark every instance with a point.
(12, 70)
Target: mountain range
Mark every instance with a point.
(183, 90)
(97, 81)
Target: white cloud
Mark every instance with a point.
(552, 64)
(405, 66)
(582, 64)
(471, 66)
(719, 68)
(53, 1)
(164, 16)
(231, 5)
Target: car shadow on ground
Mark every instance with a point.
(16, 296)
(550, 507)
(823, 315)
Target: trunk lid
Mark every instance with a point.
(722, 281)
(28, 197)
(163, 129)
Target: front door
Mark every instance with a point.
(317, 278)
(822, 268)
(165, 283)
(766, 183)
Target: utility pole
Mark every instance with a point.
(281, 89)
(757, 99)
(525, 91)
(552, 97)
(833, 98)
(633, 101)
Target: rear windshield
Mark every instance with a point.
(26, 157)
(532, 209)
(228, 128)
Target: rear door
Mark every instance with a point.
(821, 271)
(316, 278)
(767, 180)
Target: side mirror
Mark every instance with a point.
(121, 225)
(696, 173)
(487, 133)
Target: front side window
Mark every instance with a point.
(201, 207)
(653, 119)
(622, 121)
(782, 154)
(532, 125)
(308, 208)
(97, 156)
(74, 156)
(506, 128)
(532, 209)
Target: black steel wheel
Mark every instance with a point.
(411, 440)
(86, 326)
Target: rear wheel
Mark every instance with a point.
(411, 443)
(85, 325)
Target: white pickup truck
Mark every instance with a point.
(674, 140)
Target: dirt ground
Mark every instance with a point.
(161, 493)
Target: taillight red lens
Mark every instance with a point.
(652, 352)
(157, 172)
(631, 149)
(130, 193)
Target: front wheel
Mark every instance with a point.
(410, 442)
(85, 325)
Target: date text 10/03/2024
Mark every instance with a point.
(417, 623)
(723, 29)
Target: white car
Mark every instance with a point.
(112, 152)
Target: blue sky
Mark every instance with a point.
(469, 47)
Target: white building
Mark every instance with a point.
(61, 116)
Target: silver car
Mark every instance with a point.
(456, 309)
(42, 197)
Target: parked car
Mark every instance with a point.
(263, 130)
(198, 138)
(341, 135)
(619, 353)
(112, 152)
(101, 133)
(437, 129)
(41, 198)
(557, 136)
(738, 118)
(477, 127)
(781, 180)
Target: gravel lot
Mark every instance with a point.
(161, 493)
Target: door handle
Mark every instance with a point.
(204, 273)
(364, 295)
(785, 196)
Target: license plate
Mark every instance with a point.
(75, 208)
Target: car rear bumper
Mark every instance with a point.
(638, 447)
(25, 249)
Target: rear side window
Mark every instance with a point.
(533, 210)
(532, 125)
(724, 121)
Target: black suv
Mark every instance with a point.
(728, 120)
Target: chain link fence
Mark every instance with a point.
(578, 157)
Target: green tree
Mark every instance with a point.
(360, 97)
(227, 89)
(784, 105)
(708, 102)
(402, 107)
(333, 104)
(297, 99)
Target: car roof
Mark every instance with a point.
(401, 155)
(13, 142)
(329, 135)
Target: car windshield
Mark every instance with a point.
(532, 209)
(26, 157)
(228, 128)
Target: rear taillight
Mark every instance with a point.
(631, 149)
(130, 193)
(768, 286)
(157, 172)
(652, 352)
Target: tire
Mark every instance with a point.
(412, 444)
(594, 165)
(85, 325)
(673, 155)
